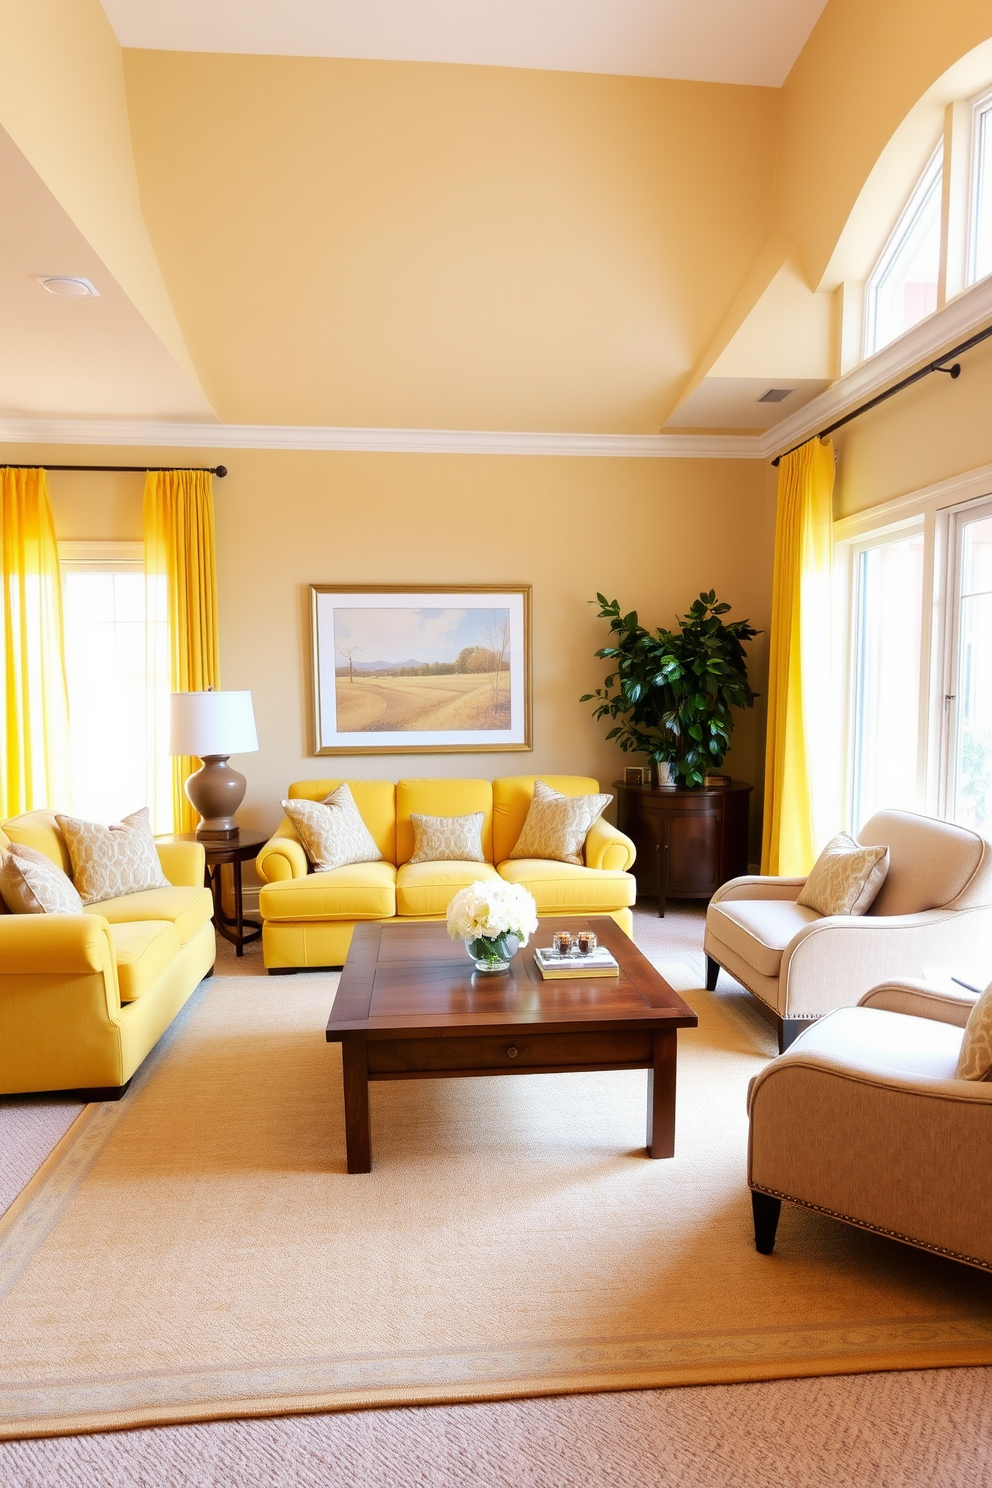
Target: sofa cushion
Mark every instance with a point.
(110, 861)
(845, 878)
(40, 830)
(142, 950)
(512, 796)
(563, 888)
(30, 883)
(556, 825)
(428, 888)
(443, 797)
(447, 839)
(362, 891)
(332, 830)
(758, 930)
(376, 802)
(185, 908)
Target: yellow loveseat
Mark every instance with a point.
(308, 918)
(84, 997)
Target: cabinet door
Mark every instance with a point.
(692, 853)
(645, 828)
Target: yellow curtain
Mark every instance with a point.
(182, 592)
(798, 772)
(34, 769)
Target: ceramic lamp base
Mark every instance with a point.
(216, 791)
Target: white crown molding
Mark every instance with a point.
(967, 313)
(151, 434)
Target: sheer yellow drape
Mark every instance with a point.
(182, 589)
(34, 769)
(799, 701)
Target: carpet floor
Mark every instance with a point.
(895, 1428)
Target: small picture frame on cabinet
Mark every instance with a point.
(633, 775)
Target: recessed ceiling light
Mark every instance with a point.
(774, 395)
(67, 285)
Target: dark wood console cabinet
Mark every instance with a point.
(688, 842)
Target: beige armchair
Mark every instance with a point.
(865, 1120)
(934, 908)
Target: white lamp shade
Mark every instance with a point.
(206, 723)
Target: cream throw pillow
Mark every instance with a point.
(332, 831)
(109, 862)
(556, 825)
(845, 877)
(445, 839)
(975, 1058)
(30, 883)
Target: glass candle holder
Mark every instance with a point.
(587, 942)
(562, 942)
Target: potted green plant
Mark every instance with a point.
(672, 691)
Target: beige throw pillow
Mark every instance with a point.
(445, 839)
(332, 831)
(845, 877)
(556, 825)
(975, 1058)
(30, 883)
(109, 862)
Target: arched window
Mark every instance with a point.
(980, 257)
(902, 287)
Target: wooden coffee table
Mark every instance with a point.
(410, 1007)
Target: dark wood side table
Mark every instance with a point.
(239, 931)
(689, 841)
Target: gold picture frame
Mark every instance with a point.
(420, 669)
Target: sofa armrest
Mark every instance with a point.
(183, 863)
(58, 945)
(921, 1000)
(282, 857)
(608, 847)
(751, 886)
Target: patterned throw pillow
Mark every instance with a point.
(445, 839)
(30, 883)
(845, 877)
(109, 862)
(975, 1058)
(556, 825)
(332, 831)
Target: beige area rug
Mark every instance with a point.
(198, 1251)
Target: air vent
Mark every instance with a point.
(775, 395)
(67, 285)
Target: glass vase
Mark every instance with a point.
(493, 953)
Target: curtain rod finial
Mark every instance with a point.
(221, 471)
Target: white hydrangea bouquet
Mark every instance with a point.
(494, 919)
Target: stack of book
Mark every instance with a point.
(599, 963)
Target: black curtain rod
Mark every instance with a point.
(937, 366)
(218, 470)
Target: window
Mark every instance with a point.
(981, 192)
(967, 701)
(117, 675)
(885, 704)
(902, 287)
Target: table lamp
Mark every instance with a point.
(213, 725)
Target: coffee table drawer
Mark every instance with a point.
(509, 1052)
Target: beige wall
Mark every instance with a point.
(932, 431)
(651, 533)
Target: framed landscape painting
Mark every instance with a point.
(418, 670)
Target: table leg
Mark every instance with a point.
(358, 1136)
(238, 911)
(661, 1096)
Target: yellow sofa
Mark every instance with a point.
(308, 918)
(84, 997)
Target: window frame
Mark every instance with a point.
(981, 109)
(930, 179)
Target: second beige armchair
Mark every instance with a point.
(934, 908)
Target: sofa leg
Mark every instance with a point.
(283, 970)
(210, 972)
(712, 972)
(789, 1030)
(766, 1211)
(103, 1092)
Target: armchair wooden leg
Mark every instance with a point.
(766, 1211)
(789, 1030)
(712, 972)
